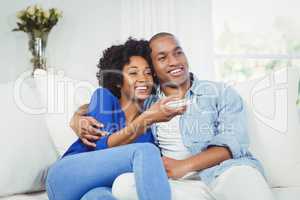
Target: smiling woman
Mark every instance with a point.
(138, 80)
(126, 75)
(116, 60)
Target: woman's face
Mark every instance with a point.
(137, 79)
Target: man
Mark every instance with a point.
(209, 140)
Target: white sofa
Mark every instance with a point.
(35, 129)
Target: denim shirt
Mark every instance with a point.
(215, 117)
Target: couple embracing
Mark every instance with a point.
(153, 122)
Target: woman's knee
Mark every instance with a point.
(51, 179)
(55, 172)
(147, 148)
(56, 178)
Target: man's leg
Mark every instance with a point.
(100, 193)
(73, 176)
(124, 189)
(241, 182)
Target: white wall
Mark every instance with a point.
(88, 27)
(74, 44)
(190, 21)
(195, 32)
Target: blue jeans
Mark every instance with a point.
(90, 175)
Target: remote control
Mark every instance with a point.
(178, 103)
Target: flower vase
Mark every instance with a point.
(37, 47)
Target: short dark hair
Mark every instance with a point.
(159, 35)
(115, 58)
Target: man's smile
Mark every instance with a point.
(178, 71)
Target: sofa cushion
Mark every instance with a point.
(61, 96)
(274, 128)
(287, 193)
(280, 194)
(26, 148)
(33, 196)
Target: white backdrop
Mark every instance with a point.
(88, 27)
(190, 21)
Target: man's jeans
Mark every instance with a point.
(90, 175)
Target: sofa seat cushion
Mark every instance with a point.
(289, 193)
(26, 147)
(274, 124)
(32, 196)
(61, 96)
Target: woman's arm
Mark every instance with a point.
(158, 112)
(129, 133)
(87, 127)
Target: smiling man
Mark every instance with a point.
(208, 142)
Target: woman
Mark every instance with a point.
(126, 74)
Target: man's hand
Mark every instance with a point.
(161, 112)
(86, 127)
(175, 168)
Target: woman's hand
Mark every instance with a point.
(86, 127)
(161, 112)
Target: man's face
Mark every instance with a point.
(169, 60)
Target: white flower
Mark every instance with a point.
(30, 10)
(46, 14)
(39, 17)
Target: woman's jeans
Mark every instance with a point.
(90, 175)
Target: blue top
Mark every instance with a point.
(105, 108)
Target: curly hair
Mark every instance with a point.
(115, 58)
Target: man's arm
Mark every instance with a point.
(86, 127)
(230, 141)
(206, 159)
